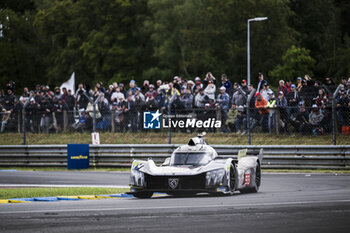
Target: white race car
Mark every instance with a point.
(197, 168)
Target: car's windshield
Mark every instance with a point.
(192, 158)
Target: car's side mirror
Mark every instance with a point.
(166, 162)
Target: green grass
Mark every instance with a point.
(177, 138)
(8, 193)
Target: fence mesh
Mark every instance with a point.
(321, 111)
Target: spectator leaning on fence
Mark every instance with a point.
(223, 100)
(262, 118)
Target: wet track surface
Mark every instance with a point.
(285, 203)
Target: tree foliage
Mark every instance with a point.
(44, 41)
(296, 62)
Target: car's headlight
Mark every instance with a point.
(137, 178)
(214, 177)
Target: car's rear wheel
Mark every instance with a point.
(256, 182)
(232, 179)
(143, 194)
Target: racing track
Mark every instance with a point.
(285, 203)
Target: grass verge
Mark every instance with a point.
(8, 193)
(177, 138)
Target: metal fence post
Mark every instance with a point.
(334, 114)
(277, 120)
(248, 114)
(65, 120)
(112, 121)
(94, 112)
(24, 120)
(169, 113)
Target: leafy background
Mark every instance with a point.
(44, 41)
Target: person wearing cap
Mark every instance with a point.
(261, 105)
(271, 105)
(292, 101)
(122, 89)
(142, 97)
(238, 98)
(186, 99)
(223, 100)
(197, 84)
(301, 120)
(261, 82)
(244, 86)
(190, 85)
(226, 83)
(58, 94)
(315, 119)
(282, 87)
(281, 105)
(241, 120)
(32, 116)
(151, 90)
(200, 99)
(299, 84)
(265, 90)
(109, 92)
(132, 88)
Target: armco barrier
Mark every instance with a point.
(275, 156)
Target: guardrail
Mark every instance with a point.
(275, 156)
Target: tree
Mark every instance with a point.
(193, 37)
(296, 62)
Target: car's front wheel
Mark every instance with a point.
(143, 194)
(232, 179)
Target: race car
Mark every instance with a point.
(196, 168)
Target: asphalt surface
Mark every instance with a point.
(63, 178)
(285, 203)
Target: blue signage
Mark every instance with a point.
(78, 156)
(151, 120)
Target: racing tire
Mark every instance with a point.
(232, 179)
(143, 195)
(257, 182)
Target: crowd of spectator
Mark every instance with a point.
(302, 105)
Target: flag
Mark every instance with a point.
(70, 84)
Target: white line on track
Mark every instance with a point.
(182, 207)
(63, 186)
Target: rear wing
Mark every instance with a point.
(245, 153)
